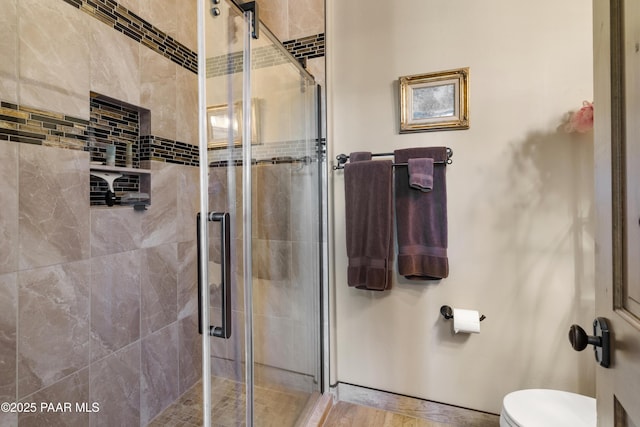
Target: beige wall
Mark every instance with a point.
(519, 197)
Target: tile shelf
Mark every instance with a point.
(120, 169)
(144, 184)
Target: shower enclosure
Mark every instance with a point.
(259, 227)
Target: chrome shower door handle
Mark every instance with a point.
(223, 331)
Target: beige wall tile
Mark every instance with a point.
(159, 381)
(187, 279)
(9, 211)
(115, 230)
(162, 14)
(186, 106)
(133, 5)
(8, 51)
(305, 18)
(158, 92)
(115, 63)
(53, 320)
(115, 302)
(115, 385)
(158, 282)
(273, 202)
(8, 311)
(188, 182)
(159, 221)
(53, 205)
(274, 14)
(316, 66)
(190, 354)
(54, 57)
(187, 18)
(70, 390)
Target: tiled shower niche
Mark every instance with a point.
(116, 123)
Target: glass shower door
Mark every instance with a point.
(259, 254)
(224, 94)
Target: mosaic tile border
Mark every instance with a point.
(267, 56)
(166, 150)
(306, 47)
(110, 123)
(128, 23)
(33, 126)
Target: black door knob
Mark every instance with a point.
(580, 340)
(600, 341)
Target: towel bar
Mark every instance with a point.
(343, 158)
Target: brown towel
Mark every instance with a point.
(359, 156)
(421, 218)
(369, 224)
(421, 174)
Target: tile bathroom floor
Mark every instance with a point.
(272, 408)
(275, 408)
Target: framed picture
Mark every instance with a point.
(434, 101)
(224, 123)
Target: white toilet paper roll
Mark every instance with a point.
(466, 321)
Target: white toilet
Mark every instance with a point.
(547, 408)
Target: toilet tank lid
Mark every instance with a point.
(550, 408)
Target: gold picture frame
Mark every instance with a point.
(221, 117)
(434, 101)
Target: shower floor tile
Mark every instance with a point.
(271, 408)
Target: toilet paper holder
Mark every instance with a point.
(447, 313)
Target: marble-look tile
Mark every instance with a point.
(53, 319)
(159, 377)
(159, 221)
(187, 17)
(305, 18)
(187, 278)
(316, 66)
(161, 14)
(277, 298)
(54, 57)
(274, 14)
(115, 230)
(273, 202)
(187, 106)
(306, 345)
(115, 63)
(9, 211)
(271, 259)
(158, 92)
(158, 284)
(189, 353)
(8, 324)
(53, 206)
(115, 302)
(273, 343)
(188, 194)
(132, 5)
(304, 202)
(115, 386)
(72, 390)
(8, 51)
(8, 419)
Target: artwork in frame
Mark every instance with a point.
(224, 124)
(434, 101)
